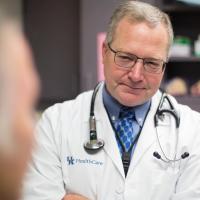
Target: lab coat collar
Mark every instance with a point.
(106, 132)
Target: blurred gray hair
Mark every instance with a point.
(136, 11)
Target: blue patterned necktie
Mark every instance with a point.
(124, 129)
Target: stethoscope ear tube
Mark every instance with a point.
(158, 156)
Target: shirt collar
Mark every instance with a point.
(113, 108)
(141, 111)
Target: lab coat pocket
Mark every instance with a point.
(165, 183)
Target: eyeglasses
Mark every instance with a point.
(127, 61)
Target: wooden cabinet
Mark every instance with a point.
(185, 19)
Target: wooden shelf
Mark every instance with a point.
(184, 15)
(180, 7)
(184, 59)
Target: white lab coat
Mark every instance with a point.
(61, 165)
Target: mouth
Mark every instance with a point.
(133, 88)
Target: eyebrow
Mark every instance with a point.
(132, 54)
(128, 53)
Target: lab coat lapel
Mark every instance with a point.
(106, 132)
(148, 135)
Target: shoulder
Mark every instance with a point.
(70, 104)
(67, 109)
(185, 109)
(187, 115)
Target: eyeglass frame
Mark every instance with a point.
(162, 66)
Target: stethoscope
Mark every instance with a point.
(160, 114)
(95, 144)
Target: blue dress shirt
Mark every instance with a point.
(113, 109)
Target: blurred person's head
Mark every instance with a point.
(135, 52)
(18, 93)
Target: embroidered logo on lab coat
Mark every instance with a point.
(73, 161)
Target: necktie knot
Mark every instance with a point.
(126, 113)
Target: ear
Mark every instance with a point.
(104, 49)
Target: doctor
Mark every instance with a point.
(164, 157)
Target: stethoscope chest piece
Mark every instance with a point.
(93, 146)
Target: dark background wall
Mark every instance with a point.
(94, 18)
(53, 30)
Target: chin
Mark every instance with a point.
(130, 99)
(130, 102)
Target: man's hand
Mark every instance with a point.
(74, 197)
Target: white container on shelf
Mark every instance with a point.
(180, 50)
(181, 47)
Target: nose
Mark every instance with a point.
(137, 71)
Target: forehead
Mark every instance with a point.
(140, 36)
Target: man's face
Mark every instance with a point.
(134, 86)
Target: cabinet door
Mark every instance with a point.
(185, 21)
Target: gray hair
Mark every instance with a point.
(137, 11)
